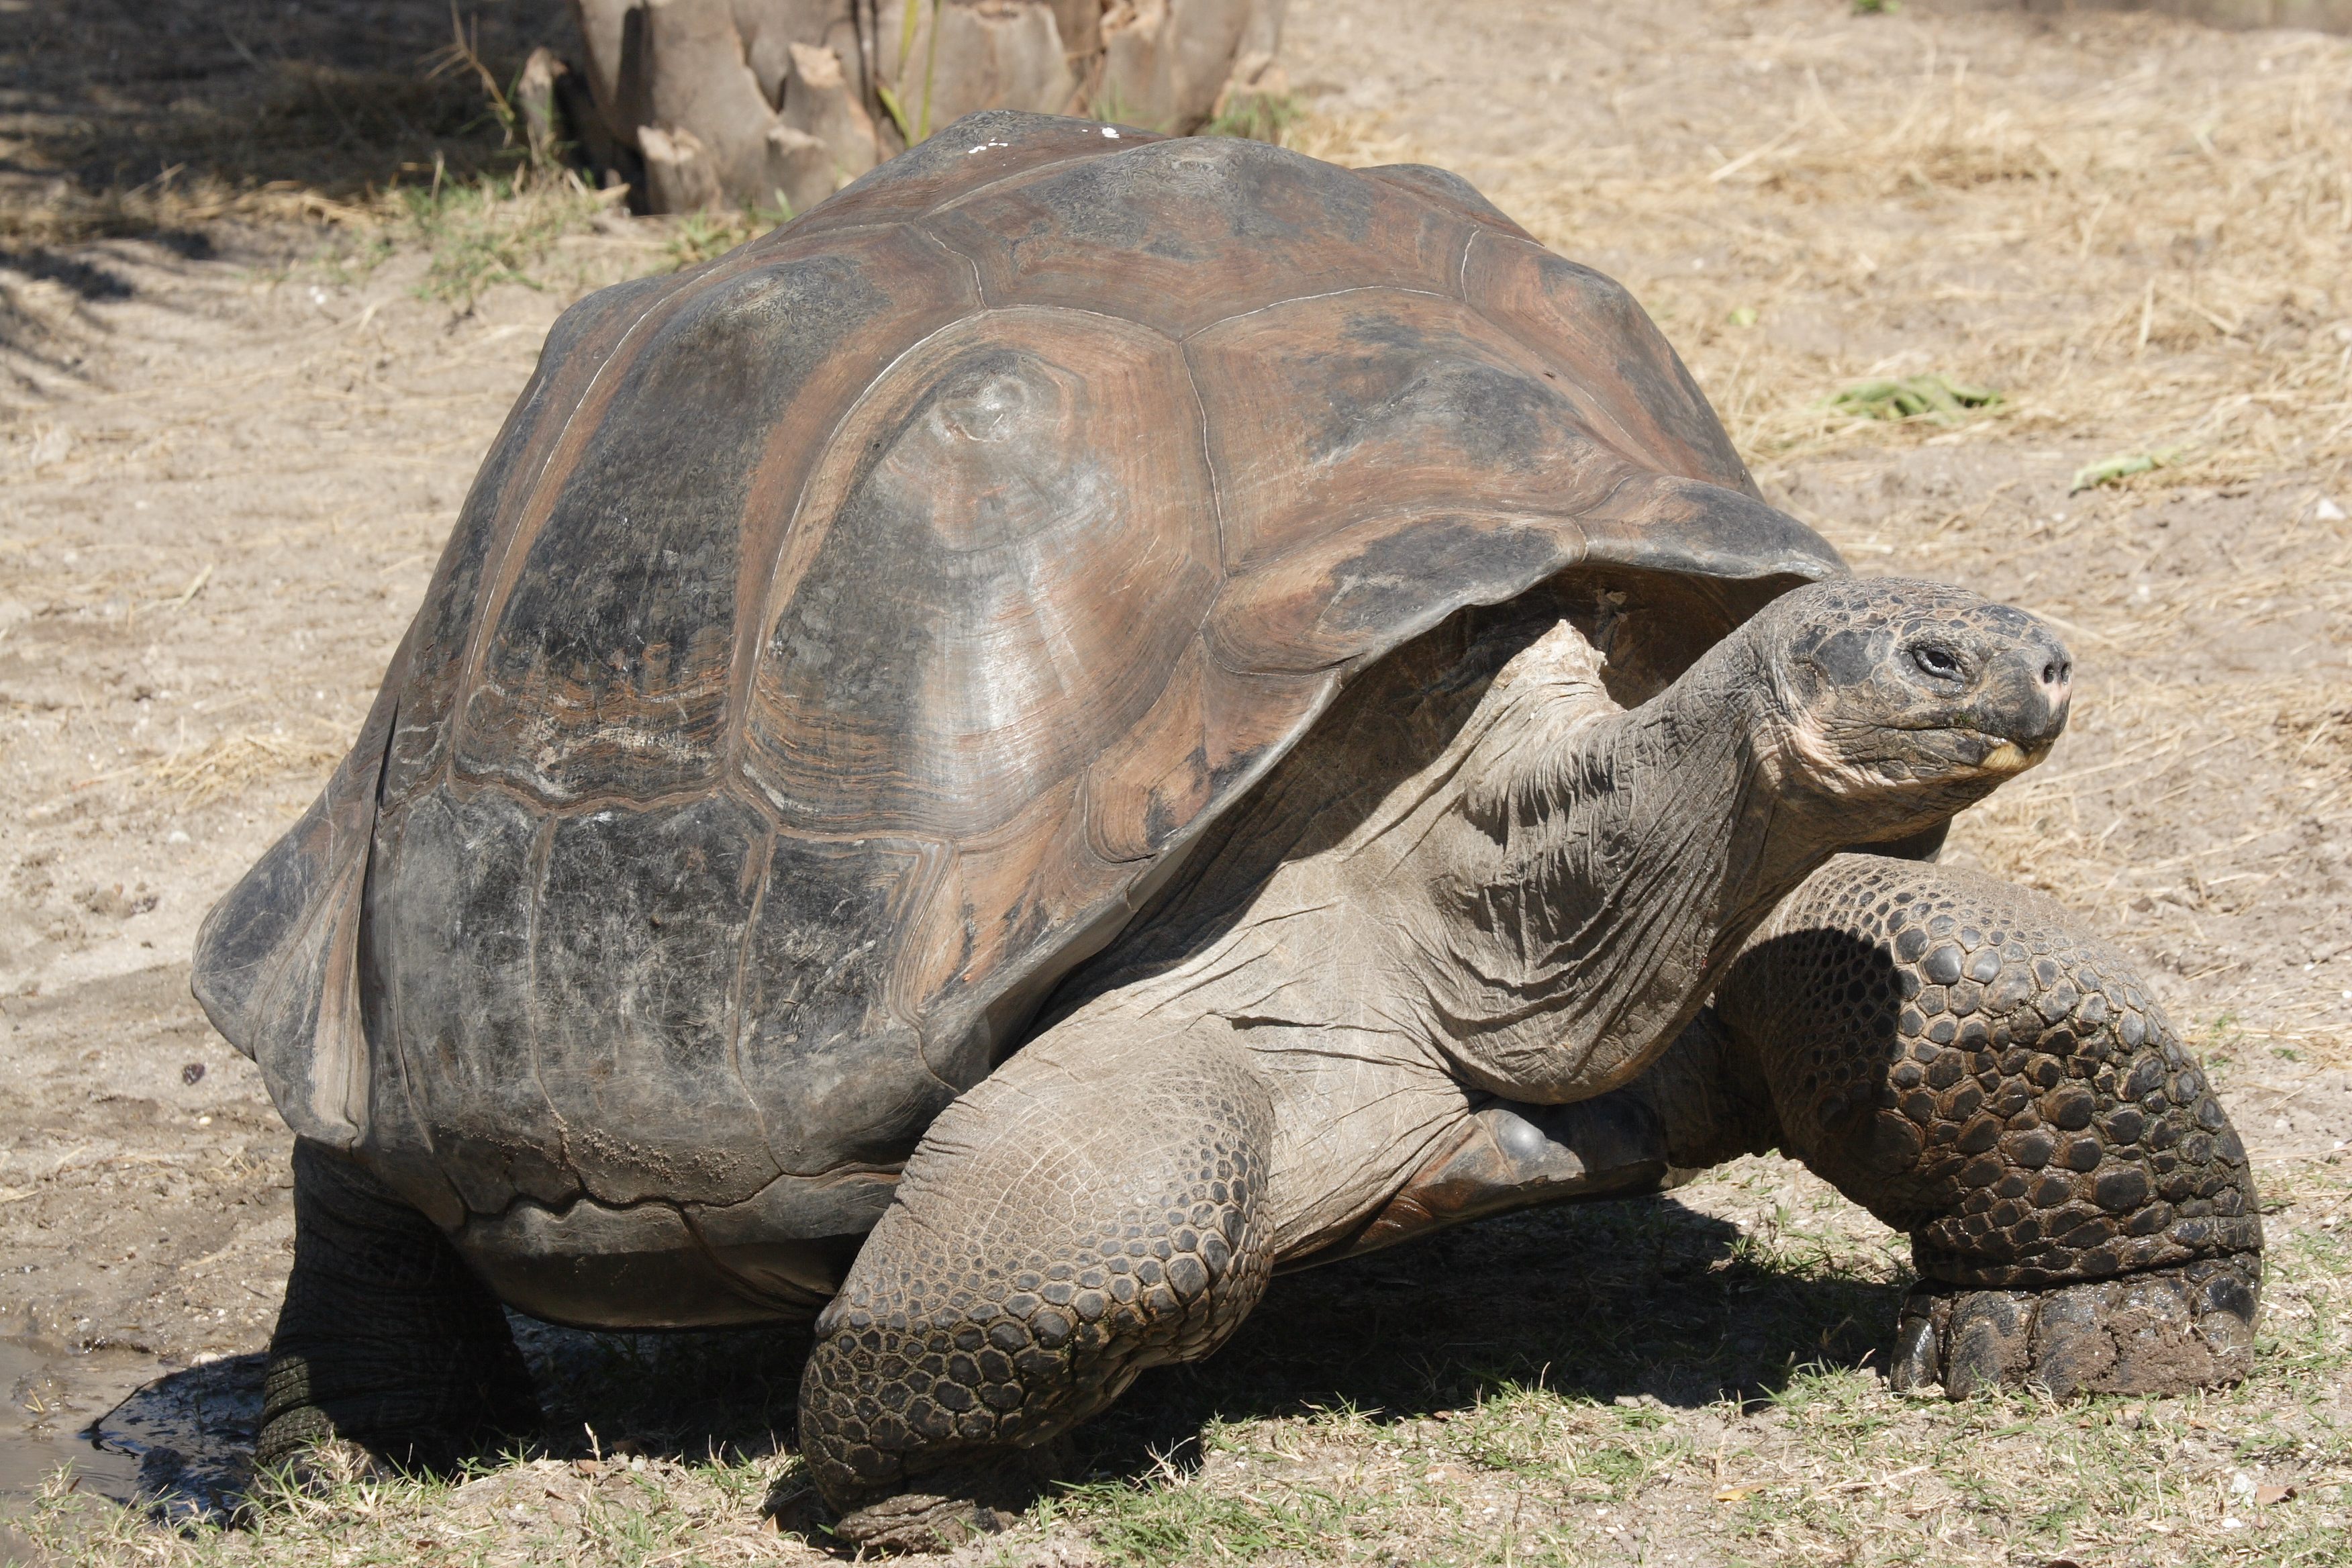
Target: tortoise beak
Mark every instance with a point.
(2028, 689)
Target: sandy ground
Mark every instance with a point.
(230, 447)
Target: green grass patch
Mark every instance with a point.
(698, 237)
(1256, 117)
(1935, 399)
(494, 229)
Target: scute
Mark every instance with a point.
(845, 638)
(1013, 544)
(446, 952)
(638, 948)
(1181, 234)
(1328, 413)
(609, 667)
(837, 1072)
(1613, 364)
(576, 348)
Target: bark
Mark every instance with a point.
(826, 137)
(697, 81)
(1138, 81)
(680, 175)
(537, 103)
(997, 54)
(761, 99)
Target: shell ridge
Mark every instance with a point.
(1209, 462)
(1289, 300)
(546, 490)
(739, 979)
(542, 848)
(1020, 177)
(768, 561)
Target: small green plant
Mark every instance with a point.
(915, 127)
(1255, 117)
(2109, 470)
(490, 230)
(1876, 7)
(699, 236)
(1933, 398)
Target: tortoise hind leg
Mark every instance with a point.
(386, 1338)
(1962, 1058)
(1094, 1207)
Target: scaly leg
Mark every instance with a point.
(1092, 1208)
(386, 1338)
(1960, 1057)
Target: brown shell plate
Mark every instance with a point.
(844, 637)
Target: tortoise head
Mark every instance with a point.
(1896, 702)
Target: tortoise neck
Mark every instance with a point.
(1601, 875)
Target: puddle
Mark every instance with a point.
(188, 1436)
(178, 1444)
(41, 1426)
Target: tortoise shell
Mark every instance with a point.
(844, 637)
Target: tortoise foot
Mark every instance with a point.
(2165, 1330)
(946, 1509)
(920, 1522)
(308, 1459)
(386, 1339)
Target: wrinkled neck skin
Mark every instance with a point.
(1539, 909)
(1567, 902)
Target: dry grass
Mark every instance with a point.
(229, 765)
(2174, 268)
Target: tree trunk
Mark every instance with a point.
(783, 101)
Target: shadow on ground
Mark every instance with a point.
(148, 116)
(1634, 1299)
(1601, 1301)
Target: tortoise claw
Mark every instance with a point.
(2165, 1330)
(919, 1522)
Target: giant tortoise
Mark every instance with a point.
(1100, 715)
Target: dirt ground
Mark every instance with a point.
(242, 391)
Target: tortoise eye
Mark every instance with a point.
(1940, 663)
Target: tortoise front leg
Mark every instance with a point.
(386, 1337)
(1094, 1207)
(1962, 1058)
